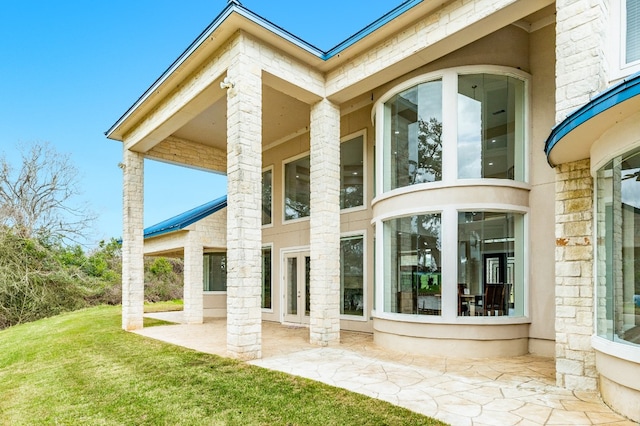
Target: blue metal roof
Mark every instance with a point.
(613, 96)
(185, 219)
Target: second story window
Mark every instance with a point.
(352, 173)
(297, 189)
(632, 31)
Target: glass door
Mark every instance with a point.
(297, 268)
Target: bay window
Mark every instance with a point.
(412, 265)
(618, 250)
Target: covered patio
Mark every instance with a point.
(489, 391)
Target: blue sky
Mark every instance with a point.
(69, 69)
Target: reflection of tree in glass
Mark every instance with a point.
(429, 151)
(427, 229)
(295, 209)
(266, 198)
(351, 196)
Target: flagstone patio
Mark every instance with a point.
(497, 391)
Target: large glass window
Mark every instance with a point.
(266, 277)
(352, 275)
(618, 250)
(352, 173)
(412, 265)
(490, 264)
(490, 127)
(297, 188)
(267, 190)
(413, 136)
(632, 34)
(215, 272)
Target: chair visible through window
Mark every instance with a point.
(495, 299)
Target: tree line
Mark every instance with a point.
(44, 270)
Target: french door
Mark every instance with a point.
(297, 266)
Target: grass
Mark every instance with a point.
(81, 368)
(169, 306)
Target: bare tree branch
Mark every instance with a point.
(39, 199)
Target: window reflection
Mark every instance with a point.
(618, 250)
(352, 275)
(413, 265)
(490, 127)
(297, 189)
(267, 189)
(490, 264)
(352, 173)
(266, 278)
(215, 272)
(414, 126)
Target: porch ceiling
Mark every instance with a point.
(282, 115)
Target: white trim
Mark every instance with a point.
(625, 351)
(456, 320)
(617, 43)
(466, 207)
(283, 280)
(449, 264)
(449, 79)
(440, 74)
(459, 183)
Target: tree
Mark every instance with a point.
(37, 200)
(430, 148)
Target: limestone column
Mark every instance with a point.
(132, 240)
(193, 280)
(325, 224)
(581, 72)
(575, 359)
(244, 233)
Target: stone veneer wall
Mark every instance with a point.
(575, 359)
(581, 63)
(324, 327)
(244, 221)
(181, 151)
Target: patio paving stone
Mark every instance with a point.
(517, 391)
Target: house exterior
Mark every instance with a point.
(457, 179)
(199, 236)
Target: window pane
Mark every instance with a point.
(267, 188)
(413, 265)
(413, 127)
(266, 278)
(351, 176)
(490, 127)
(215, 272)
(490, 264)
(352, 275)
(296, 189)
(633, 31)
(618, 250)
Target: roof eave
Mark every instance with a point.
(567, 141)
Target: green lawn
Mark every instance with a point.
(81, 368)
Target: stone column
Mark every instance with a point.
(325, 224)
(132, 240)
(575, 359)
(193, 280)
(244, 232)
(581, 43)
